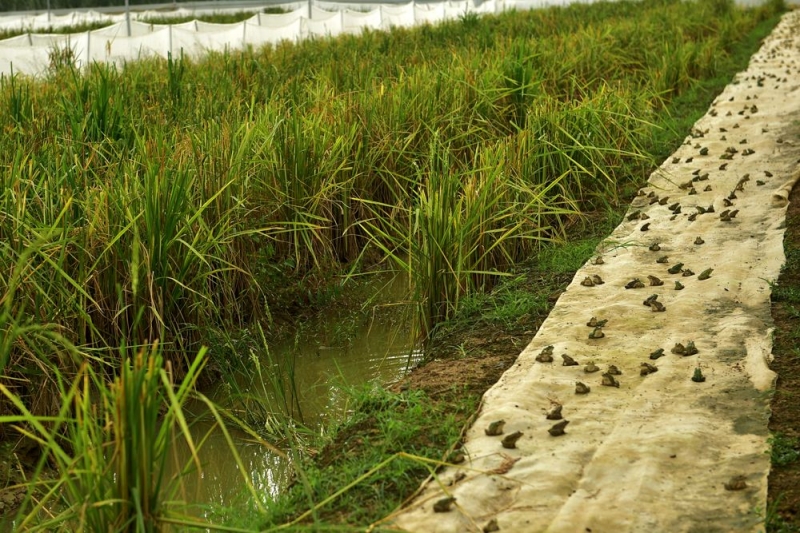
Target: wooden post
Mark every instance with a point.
(128, 17)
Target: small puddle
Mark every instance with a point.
(378, 349)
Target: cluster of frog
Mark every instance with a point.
(609, 377)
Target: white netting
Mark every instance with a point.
(260, 35)
(133, 37)
(119, 30)
(330, 26)
(321, 14)
(454, 10)
(283, 20)
(429, 13)
(23, 58)
(128, 39)
(400, 16)
(121, 49)
(354, 21)
(49, 40)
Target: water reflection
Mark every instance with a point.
(377, 351)
(218, 481)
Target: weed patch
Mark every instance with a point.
(785, 450)
(382, 425)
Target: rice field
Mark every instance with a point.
(144, 208)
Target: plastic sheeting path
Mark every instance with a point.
(659, 453)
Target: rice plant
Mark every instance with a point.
(110, 443)
(166, 178)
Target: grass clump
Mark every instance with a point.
(109, 444)
(527, 294)
(387, 445)
(785, 449)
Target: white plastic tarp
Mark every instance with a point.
(11, 22)
(80, 46)
(189, 25)
(321, 14)
(49, 40)
(40, 22)
(232, 38)
(208, 27)
(120, 17)
(178, 13)
(23, 40)
(490, 6)
(31, 53)
(185, 41)
(521, 5)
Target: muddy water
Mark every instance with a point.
(325, 363)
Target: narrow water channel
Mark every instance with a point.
(375, 350)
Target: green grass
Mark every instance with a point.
(789, 296)
(785, 450)
(781, 516)
(774, 523)
(526, 292)
(376, 456)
